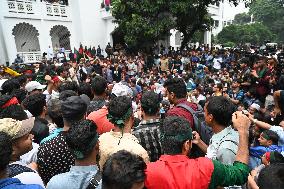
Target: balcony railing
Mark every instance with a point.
(30, 57)
(36, 9)
(20, 6)
(56, 10)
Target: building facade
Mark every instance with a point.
(30, 27)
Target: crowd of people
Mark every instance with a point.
(197, 118)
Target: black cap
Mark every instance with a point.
(75, 106)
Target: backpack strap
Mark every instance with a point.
(16, 169)
(192, 112)
(95, 181)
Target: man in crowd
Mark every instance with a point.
(54, 156)
(124, 170)
(82, 140)
(176, 170)
(148, 130)
(6, 150)
(120, 113)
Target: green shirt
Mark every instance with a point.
(228, 175)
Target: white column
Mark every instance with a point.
(207, 38)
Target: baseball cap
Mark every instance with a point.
(16, 129)
(33, 85)
(120, 89)
(75, 106)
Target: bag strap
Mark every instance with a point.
(94, 182)
(197, 126)
(188, 108)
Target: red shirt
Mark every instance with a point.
(100, 118)
(181, 112)
(179, 172)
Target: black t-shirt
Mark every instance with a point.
(98, 69)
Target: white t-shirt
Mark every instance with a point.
(217, 63)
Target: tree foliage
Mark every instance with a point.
(256, 33)
(271, 14)
(242, 18)
(144, 22)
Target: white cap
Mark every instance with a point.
(33, 85)
(120, 89)
(1, 83)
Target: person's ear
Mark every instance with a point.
(269, 142)
(186, 147)
(172, 95)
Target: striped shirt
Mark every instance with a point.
(148, 134)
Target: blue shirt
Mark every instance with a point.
(13, 183)
(77, 177)
(53, 135)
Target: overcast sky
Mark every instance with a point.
(230, 10)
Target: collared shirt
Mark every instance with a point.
(13, 183)
(111, 142)
(148, 134)
(77, 177)
(179, 172)
(223, 146)
(54, 157)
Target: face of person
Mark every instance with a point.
(170, 96)
(208, 117)
(23, 144)
(262, 141)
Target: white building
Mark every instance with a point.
(29, 27)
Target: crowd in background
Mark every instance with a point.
(196, 118)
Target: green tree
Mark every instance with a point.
(242, 18)
(255, 33)
(145, 22)
(271, 14)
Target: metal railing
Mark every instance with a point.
(56, 10)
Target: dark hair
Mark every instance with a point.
(20, 94)
(278, 158)
(99, 85)
(222, 109)
(54, 112)
(171, 128)
(35, 103)
(150, 103)
(15, 112)
(119, 106)
(82, 137)
(68, 85)
(122, 170)
(177, 86)
(66, 94)
(85, 88)
(271, 176)
(272, 136)
(22, 79)
(219, 86)
(10, 85)
(5, 150)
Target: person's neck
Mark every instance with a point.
(3, 174)
(87, 161)
(42, 116)
(218, 128)
(148, 117)
(126, 129)
(103, 96)
(177, 100)
(66, 127)
(236, 89)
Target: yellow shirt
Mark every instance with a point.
(111, 142)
